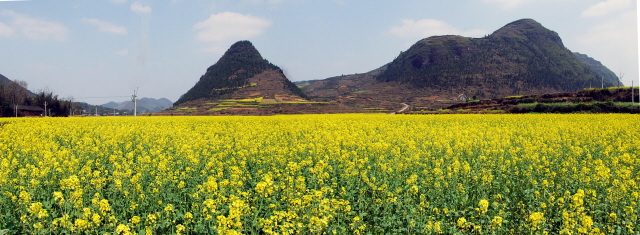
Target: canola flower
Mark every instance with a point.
(340, 174)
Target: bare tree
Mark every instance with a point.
(620, 77)
(22, 89)
(22, 83)
(16, 91)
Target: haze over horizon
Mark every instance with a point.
(107, 48)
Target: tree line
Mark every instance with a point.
(15, 94)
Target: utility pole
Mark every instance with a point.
(16, 110)
(135, 102)
(96, 110)
(45, 108)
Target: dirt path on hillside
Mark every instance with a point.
(404, 108)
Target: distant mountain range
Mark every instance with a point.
(145, 105)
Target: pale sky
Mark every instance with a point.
(107, 48)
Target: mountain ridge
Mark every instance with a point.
(241, 82)
(599, 68)
(4, 79)
(234, 72)
(521, 58)
(146, 105)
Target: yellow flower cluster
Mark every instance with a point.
(320, 174)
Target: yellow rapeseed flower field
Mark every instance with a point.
(321, 174)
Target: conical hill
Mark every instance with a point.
(241, 73)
